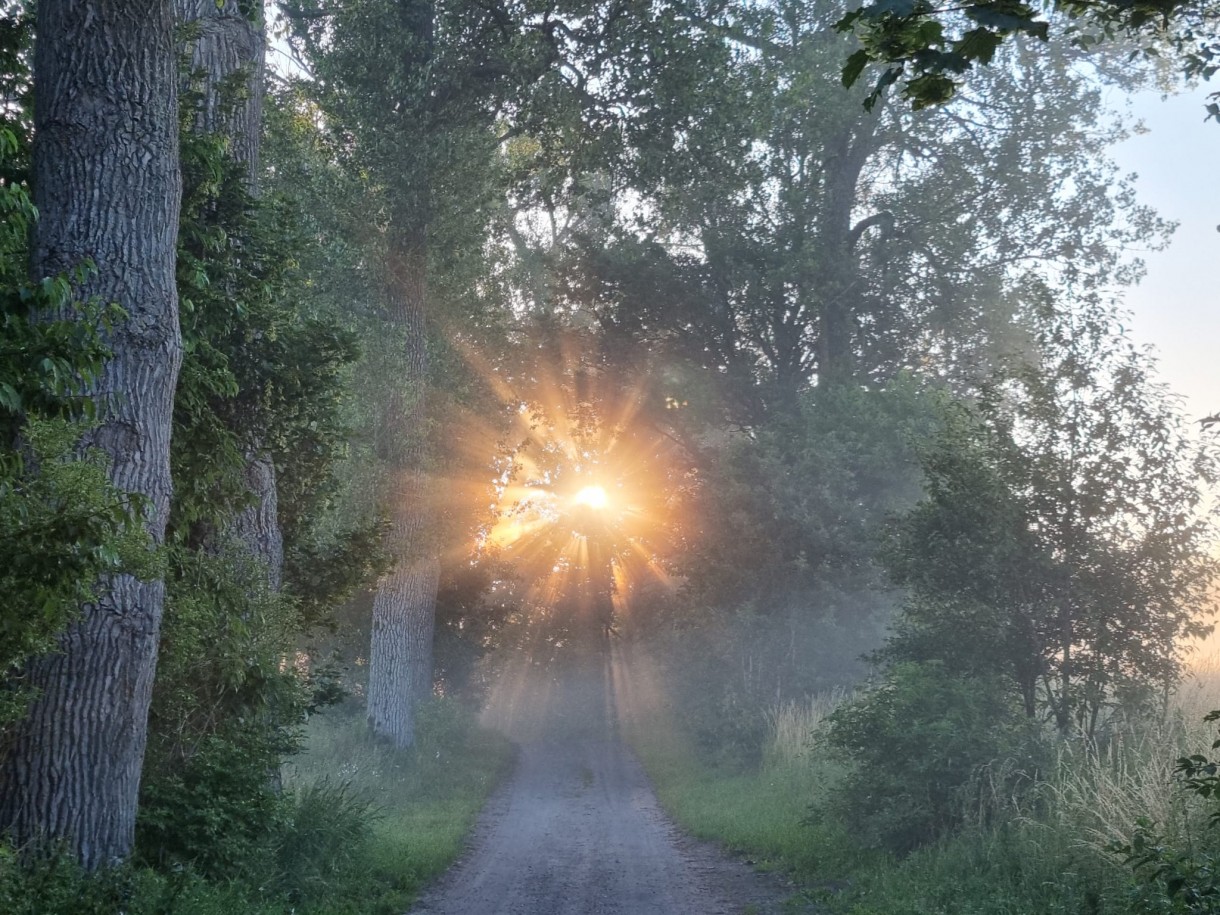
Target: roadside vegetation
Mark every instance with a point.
(1063, 844)
(357, 829)
(486, 335)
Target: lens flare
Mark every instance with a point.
(584, 489)
(591, 497)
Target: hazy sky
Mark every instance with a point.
(1177, 307)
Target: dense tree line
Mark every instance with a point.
(289, 341)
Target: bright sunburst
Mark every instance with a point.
(591, 497)
(582, 500)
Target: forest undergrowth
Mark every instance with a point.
(358, 829)
(1061, 845)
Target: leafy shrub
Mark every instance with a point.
(58, 886)
(225, 710)
(62, 527)
(216, 810)
(1177, 876)
(918, 743)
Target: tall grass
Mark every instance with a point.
(1097, 793)
(1045, 851)
(763, 812)
(792, 728)
(425, 800)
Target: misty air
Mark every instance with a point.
(609, 457)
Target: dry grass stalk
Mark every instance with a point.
(794, 726)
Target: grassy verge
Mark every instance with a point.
(1045, 857)
(763, 813)
(424, 803)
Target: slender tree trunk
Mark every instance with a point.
(107, 187)
(1066, 638)
(404, 608)
(228, 51)
(839, 291)
(257, 527)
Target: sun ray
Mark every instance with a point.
(576, 493)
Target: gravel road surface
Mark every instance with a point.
(577, 830)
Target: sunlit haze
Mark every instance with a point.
(504, 457)
(1174, 308)
(591, 497)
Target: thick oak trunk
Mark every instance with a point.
(400, 653)
(107, 187)
(227, 47)
(400, 660)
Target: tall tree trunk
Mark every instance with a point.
(839, 291)
(229, 45)
(400, 655)
(227, 42)
(108, 188)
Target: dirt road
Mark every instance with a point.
(577, 831)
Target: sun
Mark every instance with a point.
(591, 497)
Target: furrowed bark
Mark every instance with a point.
(229, 47)
(107, 187)
(257, 527)
(404, 608)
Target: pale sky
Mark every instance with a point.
(1177, 306)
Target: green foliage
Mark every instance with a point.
(58, 887)
(225, 710)
(260, 375)
(1180, 876)
(261, 372)
(426, 800)
(216, 811)
(777, 543)
(52, 344)
(16, 86)
(1042, 852)
(931, 48)
(325, 839)
(63, 528)
(758, 812)
(1173, 879)
(795, 237)
(793, 512)
(1061, 538)
(972, 607)
(363, 846)
(920, 743)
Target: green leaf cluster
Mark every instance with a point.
(928, 48)
(264, 371)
